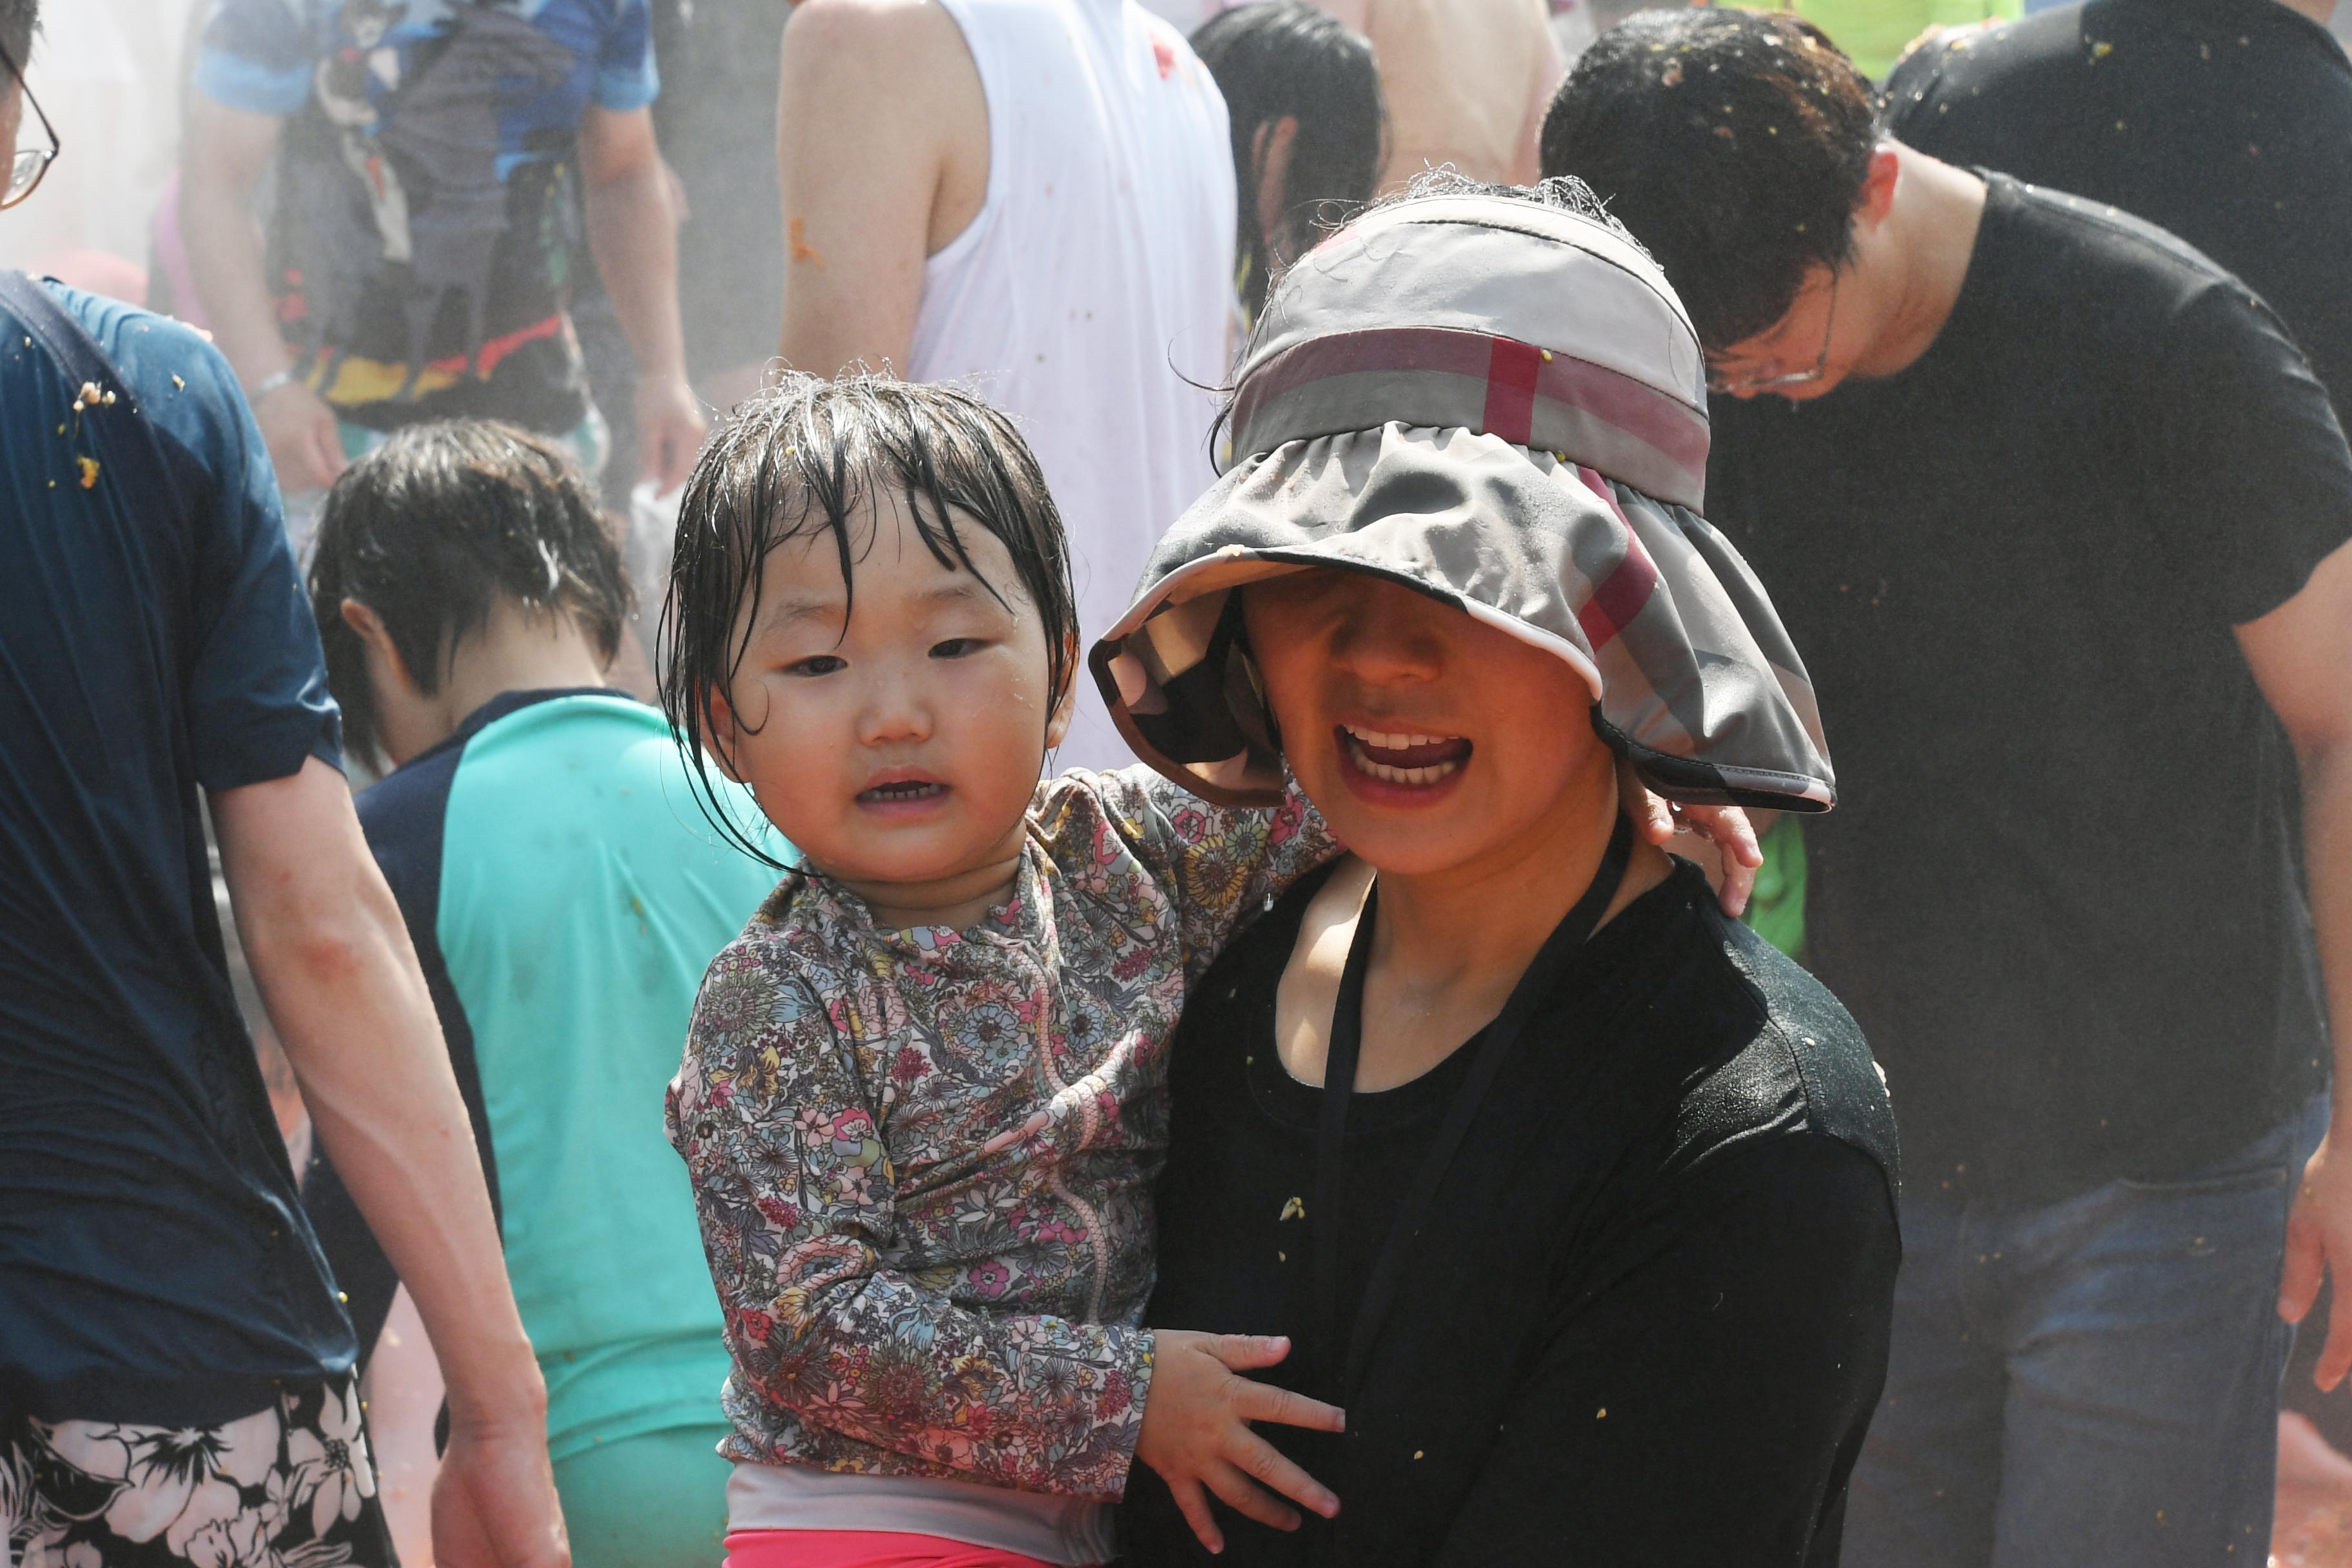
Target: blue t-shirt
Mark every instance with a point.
(565, 895)
(154, 1264)
(424, 220)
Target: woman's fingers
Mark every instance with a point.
(1193, 1504)
(1263, 1401)
(1271, 1468)
(1738, 883)
(1248, 1499)
(1734, 834)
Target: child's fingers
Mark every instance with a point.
(1247, 1499)
(1271, 1468)
(1193, 1504)
(1264, 1402)
(1248, 1353)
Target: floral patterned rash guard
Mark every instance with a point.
(923, 1158)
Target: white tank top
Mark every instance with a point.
(1097, 280)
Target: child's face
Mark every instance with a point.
(1429, 741)
(898, 739)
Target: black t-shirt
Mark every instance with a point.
(1648, 1321)
(2059, 890)
(2227, 121)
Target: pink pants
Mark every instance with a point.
(862, 1549)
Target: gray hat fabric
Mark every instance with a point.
(1500, 402)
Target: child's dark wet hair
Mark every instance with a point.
(805, 458)
(432, 528)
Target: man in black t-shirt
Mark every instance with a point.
(2227, 121)
(2056, 512)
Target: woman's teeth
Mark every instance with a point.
(1410, 758)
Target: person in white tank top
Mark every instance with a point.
(1033, 198)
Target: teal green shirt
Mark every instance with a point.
(565, 894)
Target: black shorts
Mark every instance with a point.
(293, 1483)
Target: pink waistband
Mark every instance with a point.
(864, 1549)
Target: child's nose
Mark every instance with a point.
(897, 708)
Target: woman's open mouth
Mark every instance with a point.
(1412, 760)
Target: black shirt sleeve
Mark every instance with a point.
(1705, 1406)
(2260, 482)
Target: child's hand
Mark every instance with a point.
(1196, 1430)
(1727, 827)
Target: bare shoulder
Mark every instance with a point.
(890, 86)
(908, 38)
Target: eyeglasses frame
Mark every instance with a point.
(1791, 378)
(15, 198)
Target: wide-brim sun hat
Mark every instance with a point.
(1495, 400)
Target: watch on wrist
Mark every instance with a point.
(271, 384)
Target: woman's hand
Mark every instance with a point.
(1727, 827)
(1196, 1430)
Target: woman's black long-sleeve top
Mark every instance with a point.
(1646, 1320)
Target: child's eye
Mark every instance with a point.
(957, 647)
(817, 664)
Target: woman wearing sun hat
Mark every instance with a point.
(1576, 1196)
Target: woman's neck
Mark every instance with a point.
(1448, 948)
(1481, 924)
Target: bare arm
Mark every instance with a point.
(227, 151)
(2301, 656)
(633, 233)
(340, 978)
(882, 154)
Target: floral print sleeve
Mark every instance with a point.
(1224, 865)
(781, 1110)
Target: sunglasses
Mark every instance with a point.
(29, 163)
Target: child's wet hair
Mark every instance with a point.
(430, 530)
(804, 458)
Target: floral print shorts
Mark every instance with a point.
(289, 1486)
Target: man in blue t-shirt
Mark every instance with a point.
(423, 158)
(176, 1371)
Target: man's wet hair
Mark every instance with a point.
(433, 527)
(803, 459)
(17, 20)
(1281, 58)
(1735, 143)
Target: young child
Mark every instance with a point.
(923, 1096)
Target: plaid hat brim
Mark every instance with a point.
(1693, 679)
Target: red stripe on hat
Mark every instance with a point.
(1512, 369)
(1620, 597)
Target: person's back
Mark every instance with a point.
(149, 642)
(564, 894)
(1090, 297)
(2227, 123)
(1466, 85)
